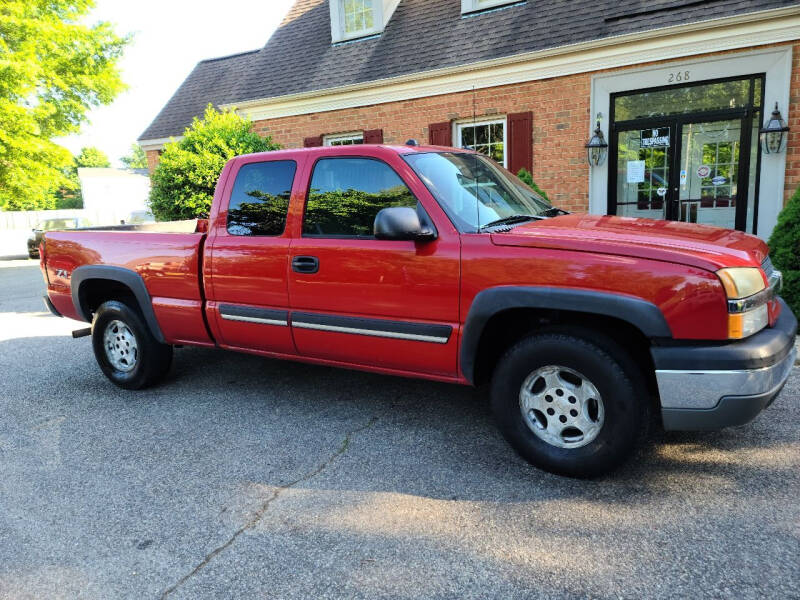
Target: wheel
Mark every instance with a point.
(125, 349)
(32, 254)
(569, 405)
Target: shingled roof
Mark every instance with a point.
(422, 35)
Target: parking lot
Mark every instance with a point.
(243, 477)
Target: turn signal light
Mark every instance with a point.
(742, 325)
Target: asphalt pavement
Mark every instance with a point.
(242, 477)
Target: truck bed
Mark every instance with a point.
(167, 256)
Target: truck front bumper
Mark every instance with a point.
(716, 386)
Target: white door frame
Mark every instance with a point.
(775, 62)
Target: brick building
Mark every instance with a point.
(680, 88)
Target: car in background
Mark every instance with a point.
(52, 225)
(138, 217)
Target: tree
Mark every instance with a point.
(527, 178)
(137, 159)
(53, 69)
(784, 244)
(186, 175)
(91, 157)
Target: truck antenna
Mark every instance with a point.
(475, 156)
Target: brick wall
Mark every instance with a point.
(793, 120)
(561, 123)
(152, 159)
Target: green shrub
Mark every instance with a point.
(784, 244)
(187, 172)
(527, 178)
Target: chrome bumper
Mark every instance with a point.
(692, 400)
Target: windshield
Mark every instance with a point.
(52, 224)
(474, 191)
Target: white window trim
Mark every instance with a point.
(471, 6)
(328, 140)
(337, 22)
(775, 62)
(460, 124)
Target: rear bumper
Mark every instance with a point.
(51, 307)
(716, 386)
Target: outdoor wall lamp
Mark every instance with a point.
(597, 148)
(774, 134)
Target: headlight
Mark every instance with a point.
(748, 296)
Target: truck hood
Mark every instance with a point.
(702, 246)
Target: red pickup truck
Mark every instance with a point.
(438, 263)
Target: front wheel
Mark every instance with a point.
(125, 349)
(570, 405)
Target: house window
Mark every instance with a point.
(487, 137)
(468, 6)
(359, 17)
(344, 139)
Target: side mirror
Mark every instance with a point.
(401, 223)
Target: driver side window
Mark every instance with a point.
(347, 193)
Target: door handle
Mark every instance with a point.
(305, 264)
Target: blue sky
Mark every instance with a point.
(170, 37)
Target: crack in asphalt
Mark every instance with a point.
(259, 514)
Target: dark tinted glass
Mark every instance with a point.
(260, 198)
(693, 98)
(347, 193)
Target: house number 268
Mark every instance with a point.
(678, 76)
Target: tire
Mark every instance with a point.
(33, 254)
(554, 422)
(125, 349)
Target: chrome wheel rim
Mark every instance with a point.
(561, 407)
(120, 346)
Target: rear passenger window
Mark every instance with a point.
(347, 193)
(260, 198)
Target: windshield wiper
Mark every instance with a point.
(511, 220)
(554, 212)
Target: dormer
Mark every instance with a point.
(472, 6)
(354, 19)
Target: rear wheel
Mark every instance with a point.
(125, 349)
(570, 405)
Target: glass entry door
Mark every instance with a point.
(701, 166)
(709, 176)
(645, 158)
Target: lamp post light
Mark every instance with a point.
(597, 148)
(774, 134)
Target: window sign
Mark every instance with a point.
(635, 171)
(655, 138)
